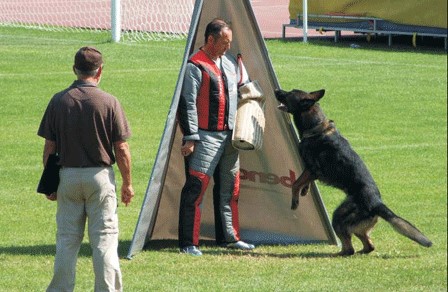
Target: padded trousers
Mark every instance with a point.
(213, 156)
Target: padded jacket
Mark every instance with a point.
(204, 103)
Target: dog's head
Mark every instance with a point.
(297, 101)
(303, 106)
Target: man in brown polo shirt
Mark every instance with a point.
(88, 129)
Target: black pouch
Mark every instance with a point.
(49, 180)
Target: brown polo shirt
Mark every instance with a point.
(84, 121)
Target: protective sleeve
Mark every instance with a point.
(242, 75)
(187, 112)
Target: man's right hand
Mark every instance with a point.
(187, 148)
(52, 197)
(127, 193)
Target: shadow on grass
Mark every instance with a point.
(171, 246)
(50, 249)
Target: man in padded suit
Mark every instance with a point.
(207, 109)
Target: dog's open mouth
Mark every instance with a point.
(282, 107)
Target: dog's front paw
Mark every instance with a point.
(295, 201)
(305, 190)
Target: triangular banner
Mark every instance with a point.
(266, 174)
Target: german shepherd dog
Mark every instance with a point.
(328, 157)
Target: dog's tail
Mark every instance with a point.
(402, 226)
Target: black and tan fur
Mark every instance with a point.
(328, 157)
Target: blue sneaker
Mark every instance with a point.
(191, 250)
(241, 245)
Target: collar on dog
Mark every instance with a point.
(327, 127)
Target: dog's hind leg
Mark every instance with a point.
(346, 241)
(301, 187)
(362, 231)
(344, 219)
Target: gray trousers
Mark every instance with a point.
(213, 156)
(87, 193)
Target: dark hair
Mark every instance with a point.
(88, 59)
(215, 27)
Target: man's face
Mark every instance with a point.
(222, 44)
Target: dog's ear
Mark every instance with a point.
(317, 95)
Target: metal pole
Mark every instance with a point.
(115, 20)
(305, 21)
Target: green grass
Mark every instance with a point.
(390, 104)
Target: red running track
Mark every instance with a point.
(270, 14)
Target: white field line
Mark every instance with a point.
(337, 62)
(325, 61)
(64, 41)
(75, 41)
(143, 70)
(402, 146)
(321, 61)
(174, 69)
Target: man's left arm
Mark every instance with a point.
(49, 148)
(123, 157)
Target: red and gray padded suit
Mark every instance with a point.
(206, 114)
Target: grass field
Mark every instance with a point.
(391, 104)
